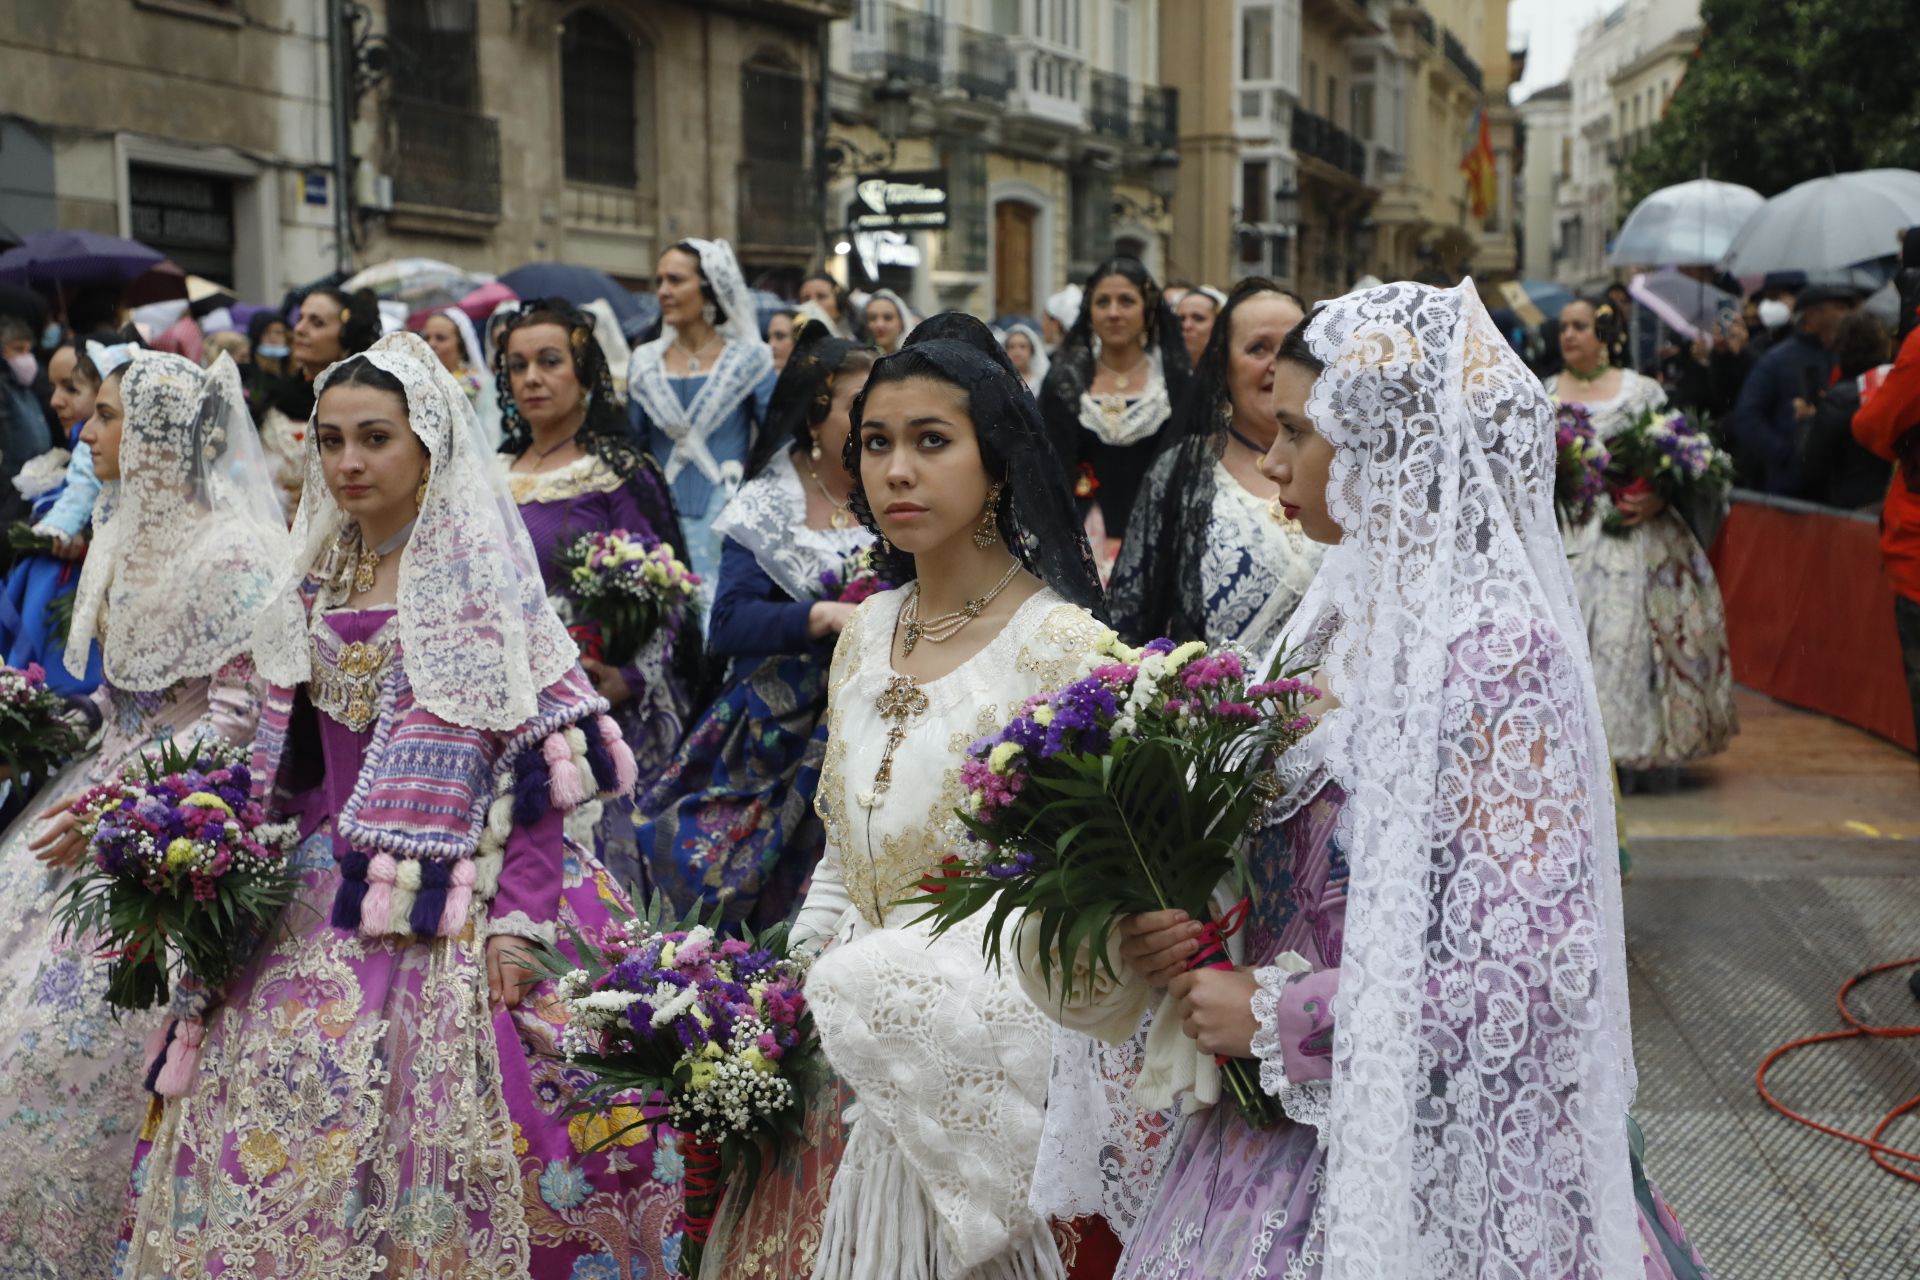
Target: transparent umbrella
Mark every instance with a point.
(1689, 225)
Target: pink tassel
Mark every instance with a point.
(183, 1059)
(626, 771)
(377, 907)
(459, 897)
(563, 776)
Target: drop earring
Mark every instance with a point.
(420, 494)
(987, 532)
(816, 447)
(709, 313)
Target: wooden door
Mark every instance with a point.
(1013, 224)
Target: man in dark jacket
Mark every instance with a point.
(1765, 419)
(1833, 468)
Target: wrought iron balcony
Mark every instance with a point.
(1423, 24)
(1463, 62)
(907, 44)
(1112, 105)
(443, 157)
(984, 70)
(1160, 116)
(777, 206)
(1317, 136)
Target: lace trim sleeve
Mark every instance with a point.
(1308, 1102)
(518, 924)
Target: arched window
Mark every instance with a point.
(600, 123)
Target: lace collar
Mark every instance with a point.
(1118, 421)
(584, 475)
(769, 518)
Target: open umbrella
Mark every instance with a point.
(1826, 225)
(419, 283)
(1689, 225)
(70, 259)
(578, 285)
(1688, 306)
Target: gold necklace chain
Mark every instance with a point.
(841, 518)
(944, 627)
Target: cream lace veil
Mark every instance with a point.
(1482, 1061)
(189, 539)
(478, 638)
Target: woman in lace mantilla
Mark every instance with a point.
(1433, 975)
(1214, 557)
(1655, 622)
(945, 1058)
(1111, 391)
(730, 823)
(380, 1093)
(698, 392)
(574, 468)
(187, 537)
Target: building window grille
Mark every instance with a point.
(599, 115)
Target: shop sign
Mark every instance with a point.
(911, 201)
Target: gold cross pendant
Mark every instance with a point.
(898, 703)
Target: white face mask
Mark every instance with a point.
(1775, 313)
(24, 366)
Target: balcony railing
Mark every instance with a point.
(1317, 136)
(1112, 105)
(777, 207)
(1424, 24)
(443, 157)
(1462, 62)
(984, 65)
(1160, 117)
(907, 44)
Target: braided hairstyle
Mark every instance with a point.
(606, 434)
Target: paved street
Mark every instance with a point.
(1738, 942)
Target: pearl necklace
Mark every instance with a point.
(944, 627)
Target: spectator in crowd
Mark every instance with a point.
(1906, 282)
(1765, 419)
(1888, 423)
(780, 336)
(23, 423)
(1832, 467)
(1639, 343)
(1708, 374)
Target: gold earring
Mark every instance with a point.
(988, 531)
(816, 446)
(420, 494)
(886, 548)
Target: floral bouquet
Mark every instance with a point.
(1129, 790)
(1580, 476)
(39, 729)
(184, 872)
(22, 537)
(853, 581)
(1668, 454)
(625, 588)
(715, 1028)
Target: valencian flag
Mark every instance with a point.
(1483, 174)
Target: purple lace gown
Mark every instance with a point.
(1238, 1202)
(358, 1111)
(586, 496)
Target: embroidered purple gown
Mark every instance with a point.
(358, 1111)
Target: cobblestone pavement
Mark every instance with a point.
(1785, 867)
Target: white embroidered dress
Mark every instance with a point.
(947, 1058)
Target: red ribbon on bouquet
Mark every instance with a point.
(1213, 938)
(703, 1188)
(587, 636)
(1638, 487)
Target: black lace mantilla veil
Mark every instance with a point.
(817, 355)
(1040, 522)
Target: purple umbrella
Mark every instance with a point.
(66, 259)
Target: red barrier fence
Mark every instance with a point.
(1810, 612)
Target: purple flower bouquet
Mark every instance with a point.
(715, 1028)
(853, 581)
(1130, 790)
(625, 588)
(39, 730)
(1668, 454)
(1580, 476)
(184, 872)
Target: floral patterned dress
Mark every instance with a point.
(360, 1111)
(1655, 622)
(71, 1096)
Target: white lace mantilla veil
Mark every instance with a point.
(477, 636)
(189, 540)
(1482, 1058)
(744, 362)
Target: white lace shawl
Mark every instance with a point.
(744, 362)
(1482, 1061)
(908, 320)
(477, 636)
(1255, 569)
(1036, 367)
(1144, 415)
(188, 541)
(769, 518)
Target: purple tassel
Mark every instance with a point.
(160, 1058)
(530, 788)
(600, 762)
(352, 891)
(431, 901)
